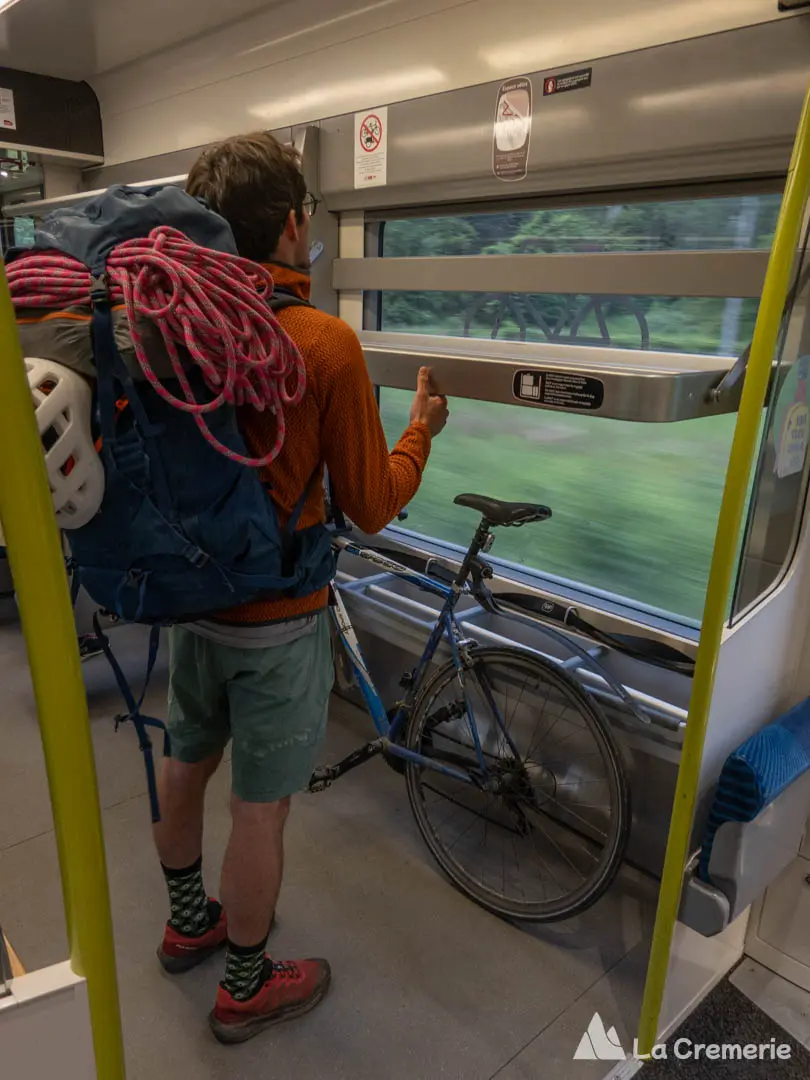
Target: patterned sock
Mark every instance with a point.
(192, 913)
(244, 970)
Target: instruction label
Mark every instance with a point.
(512, 130)
(568, 80)
(560, 389)
(793, 421)
(8, 117)
(371, 148)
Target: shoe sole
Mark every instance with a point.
(247, 1029)
(177, 965)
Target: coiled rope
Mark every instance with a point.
(212, 304)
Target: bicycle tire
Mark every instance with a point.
(578, 900)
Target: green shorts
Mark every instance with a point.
(271, 701)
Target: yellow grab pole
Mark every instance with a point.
(37, 564)
(724, 558)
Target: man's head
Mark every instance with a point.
(256, 184)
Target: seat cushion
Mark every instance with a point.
(757, 773)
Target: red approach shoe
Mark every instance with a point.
(290, 989)
(180, 952)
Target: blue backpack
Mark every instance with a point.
(183, 531)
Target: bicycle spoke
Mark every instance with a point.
(557, 846)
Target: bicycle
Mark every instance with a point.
(461, 745)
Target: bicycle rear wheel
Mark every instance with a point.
(537, 834)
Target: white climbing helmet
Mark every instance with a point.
(63, 402)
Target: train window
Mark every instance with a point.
(635, 505)
(684, 324)
(681, 324)
(781, 479)
(24, 230)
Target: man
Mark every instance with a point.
(262, 674)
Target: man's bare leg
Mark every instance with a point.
(195, 927)
(181, 795)
(253, 868)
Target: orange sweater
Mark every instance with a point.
(337, 423)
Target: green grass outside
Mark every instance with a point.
(634, 506)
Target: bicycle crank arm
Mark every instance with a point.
(325, 775)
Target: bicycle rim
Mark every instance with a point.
(539, 832)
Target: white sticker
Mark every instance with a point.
(8, 118)
(793, 442)
(793, 423)
(371, 148)
(512, 130)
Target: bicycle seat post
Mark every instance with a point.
(480, 541)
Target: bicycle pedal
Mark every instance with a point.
(323, 777)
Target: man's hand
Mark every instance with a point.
(429, 407)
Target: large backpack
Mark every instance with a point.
(184, 531)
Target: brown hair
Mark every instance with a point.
(253, 181)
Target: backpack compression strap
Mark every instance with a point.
(140, 722)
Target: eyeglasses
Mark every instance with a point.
(310, 203)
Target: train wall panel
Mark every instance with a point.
(302, 60)
(714, 108)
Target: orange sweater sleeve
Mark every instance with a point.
(371, 485)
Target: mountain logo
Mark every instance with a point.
(599, 1043)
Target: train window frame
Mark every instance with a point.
(759, 515)
(677, 624)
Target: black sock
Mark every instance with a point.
(192, 913)
(244, 969)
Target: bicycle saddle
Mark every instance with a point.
(498, 512)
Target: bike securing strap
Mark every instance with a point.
(139, 721)
(632, 645)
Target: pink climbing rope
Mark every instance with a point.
(212, 304)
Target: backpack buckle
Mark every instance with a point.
(196, 556)
(99, 289)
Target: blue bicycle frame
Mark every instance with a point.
(446, 627)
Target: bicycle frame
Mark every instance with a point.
(446, 627)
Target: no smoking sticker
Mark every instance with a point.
(371, 148)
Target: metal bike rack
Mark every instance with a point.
(410, 621)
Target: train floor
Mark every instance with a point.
(426, 985)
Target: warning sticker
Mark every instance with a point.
(559, 389)
(8, 118)
(513, 130)
(792, 421)
(371, 148)
(568, 80)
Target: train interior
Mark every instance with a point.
(591, 221)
